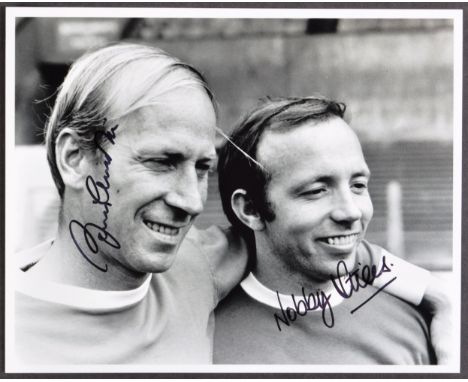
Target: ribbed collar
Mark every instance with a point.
(261, 293)
(91, 300)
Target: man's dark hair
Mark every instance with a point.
(237, 163)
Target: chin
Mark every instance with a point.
(162, 265)
(153, 262)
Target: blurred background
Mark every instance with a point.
(395, 76)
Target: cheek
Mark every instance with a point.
(138, 185)
(203, 190)
(296, 225)
(367, 208)
(310, 215)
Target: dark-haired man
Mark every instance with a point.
(296, 178)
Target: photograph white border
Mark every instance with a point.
(109, 12)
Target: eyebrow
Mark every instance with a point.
(327, 179)
(366, 173)
(171, 153)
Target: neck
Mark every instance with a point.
(64, 264)
(278, 276)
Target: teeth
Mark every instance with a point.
(162, 229)
(341, 240)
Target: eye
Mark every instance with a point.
(160, 164)
(204, 168)
(314, 193)
(359, 186)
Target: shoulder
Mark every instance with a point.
(368, 251)
(410, 281)
(239, 308)
(237, 299)
(204, 245)
(226, 253)
(398, 317)
(213, 238)
(237, 317)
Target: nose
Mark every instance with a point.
(345, 208)
(187, 194)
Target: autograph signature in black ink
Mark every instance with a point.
(99, 192)
(319, 300)
(355, 281)
(345, 283)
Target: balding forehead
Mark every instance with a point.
(289, 145)
(145, 83)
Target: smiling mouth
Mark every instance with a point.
(162, 228)
(341, 240)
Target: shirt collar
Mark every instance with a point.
(91, 300)
(261, 293)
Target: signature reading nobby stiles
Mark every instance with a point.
(345, 286)
(94, 234)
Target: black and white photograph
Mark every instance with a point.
(233, 190)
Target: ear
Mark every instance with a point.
(245, 211)
(71, 160)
